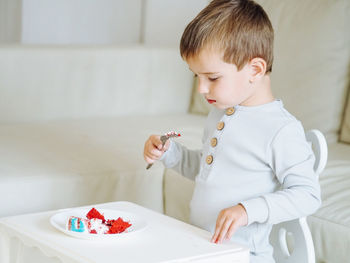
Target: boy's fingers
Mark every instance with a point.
(149, 160)
(152, 149)
(218, 226)
(153, 154)
(232, 229)
(157, 143)
(224, 229)
(215, 236)
(152, 143)
(166, 145)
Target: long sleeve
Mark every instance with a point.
(292, 160)
(182, 160)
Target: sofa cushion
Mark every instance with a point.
(330, 225)
(69, 163)
(177, 203)
(338, 152)
(345, 129)
(39, 83)
(312, 60)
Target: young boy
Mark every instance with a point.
(255, 168)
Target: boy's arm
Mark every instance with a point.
(292, 160)
(182, 160)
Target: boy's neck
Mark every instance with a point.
(262, 93)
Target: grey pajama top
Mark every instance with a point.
(257, 156)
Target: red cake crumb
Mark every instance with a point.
(93, 213)
(118, 226)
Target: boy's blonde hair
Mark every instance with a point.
(239, 28)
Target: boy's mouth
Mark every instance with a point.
(211, 101)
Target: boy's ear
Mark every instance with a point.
(258, 68)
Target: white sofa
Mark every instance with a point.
(73, 120)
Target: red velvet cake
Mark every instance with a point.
(95, 223)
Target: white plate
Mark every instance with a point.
(59, 221)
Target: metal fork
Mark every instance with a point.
(163, 139)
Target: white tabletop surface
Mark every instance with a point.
(165, 239)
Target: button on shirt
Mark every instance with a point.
(260, 159)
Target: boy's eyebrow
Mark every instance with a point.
(206, 73)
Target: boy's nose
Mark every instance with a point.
(202, 88)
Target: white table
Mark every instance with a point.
(31, 238)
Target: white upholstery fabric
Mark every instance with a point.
(312, 58)
(345, 130)
(176, 202)
(10, 26)
(45, 83)
(338, 152)
(330, 225)
(59, 164)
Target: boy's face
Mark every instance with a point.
(221, 84)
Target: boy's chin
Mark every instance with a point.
(220, 107)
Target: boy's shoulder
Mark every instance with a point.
(275, 121)
(276, 113)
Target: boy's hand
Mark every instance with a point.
(153, 148)
(228, 221)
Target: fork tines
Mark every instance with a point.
(172, 134)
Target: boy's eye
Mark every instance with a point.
(195, 75)
(213, 79)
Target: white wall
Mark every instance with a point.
(10, 21)
(165, 20)
(81, 21)
(159, 22)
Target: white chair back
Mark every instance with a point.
(292, 240)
